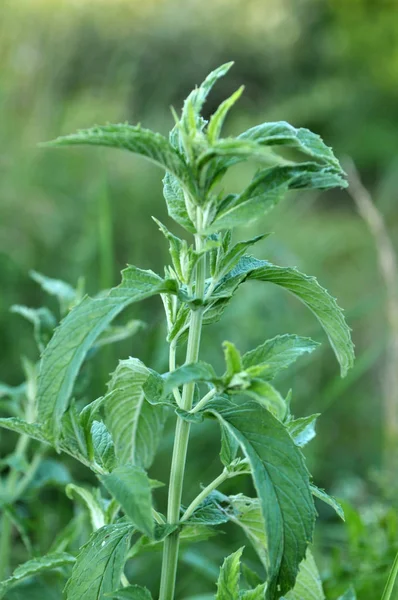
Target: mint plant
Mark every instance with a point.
(117, 435)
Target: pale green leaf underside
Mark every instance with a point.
(99, 565)
(131, 488)
(97, 517)
(302, 429)
(282, 483)
(67, 349)
(35, 566)
(308, 584)
(135, 424)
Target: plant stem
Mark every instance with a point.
(204, 401)
(5, 538)
(204, 493)
(171, 544)
(391, 580)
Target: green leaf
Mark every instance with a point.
(207, 513)
(68, 347)
(232, 358)
(277, 353)
(246, 513)
(228, 581)
(104, 449)
(229, 446)
(97, 517)
(258, 593)
(308, 584)
(136, 425)
(134, 138)
(308, 290)
(302, 430)
(33, 430)
(332, 502)
(268, 187)
(65, 293)
(232, 256)
(218, 118)
(173, 193)
(350, 595)
(269, 397)
(282, 483)
(390, 584)
(283, 134)
(131, 592)
(252, 578)
(99, 564)
(130, 486)
(189, 373)
(36, 566)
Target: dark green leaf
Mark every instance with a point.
(282, 483)
(130, 486)
(104, 449)
(67, 349)
(99, 564)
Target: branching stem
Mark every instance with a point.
(204, 493)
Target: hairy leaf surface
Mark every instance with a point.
(99, 564)
(282, 483)
(67, 349)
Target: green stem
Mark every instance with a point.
(204, 493)
(171, 544)
(391, 580)
(5, 538)
(204, 401)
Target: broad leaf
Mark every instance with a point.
(96, 513)
(131, 488)
(308, 290)
(282, 483)
(131, 592)
(277, 354)
(136, 425)
(332, 502)
(228, 581)
(68, 347)
(36, 566)
(99, 564)
(308, 584)
(144, 142)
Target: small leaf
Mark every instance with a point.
(43, 322)
(232, 256)
(104, 449)
(350, 595)
(99, 564)
(135, 425)
(173, 193)
(118, 333)
(68, 347)
(36, 566)
(233, 360)
(130, 486)
(131, 592)
(189, 373)
(278, 353)
(207, 513)
(96, 513)
(218, 118)
(228, 581)
(322, 495)
(302, 430)
(282, 483)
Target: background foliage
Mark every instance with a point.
(328, 65)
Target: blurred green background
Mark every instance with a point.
(331, 66)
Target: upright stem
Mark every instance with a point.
(5, 537)
(171, 544)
